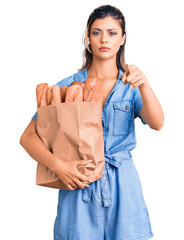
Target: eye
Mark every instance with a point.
(94, 33)
(113, 33)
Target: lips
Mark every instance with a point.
(104, 48)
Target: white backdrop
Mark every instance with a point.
(41, 41)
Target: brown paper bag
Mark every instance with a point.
(71, 131)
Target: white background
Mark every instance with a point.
(41, 41)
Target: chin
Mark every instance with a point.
(104, 55)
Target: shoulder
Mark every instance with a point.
(66, 81)
(78, 76)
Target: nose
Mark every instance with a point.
(104, 38)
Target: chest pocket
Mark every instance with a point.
(123, 117)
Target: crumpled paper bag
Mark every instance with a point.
(71, 131)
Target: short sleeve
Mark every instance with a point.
(34, 116)
(138, 104)
(65, 82)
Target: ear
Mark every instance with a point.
(87, 42)
(123, 39)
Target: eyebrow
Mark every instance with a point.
(101, 30)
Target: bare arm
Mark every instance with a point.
(67, 171)
(34, 146)
(151, 111)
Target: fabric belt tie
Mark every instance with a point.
(104, 183)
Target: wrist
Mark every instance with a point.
(144, 86)
(54, 162)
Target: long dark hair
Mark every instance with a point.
(99, 13)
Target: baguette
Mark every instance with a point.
(49, 94)
(41, 94)
(63, 91)
(74, 93)
(93, 89)
(55, 95)
(77, 83)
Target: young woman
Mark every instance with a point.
(113, 207)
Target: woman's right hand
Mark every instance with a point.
(69, 174)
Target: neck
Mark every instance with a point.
(103, 69)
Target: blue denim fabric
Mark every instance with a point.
(113, 207)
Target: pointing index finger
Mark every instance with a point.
(128, 69)
(125, 74)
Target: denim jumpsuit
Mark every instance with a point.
(113, 207)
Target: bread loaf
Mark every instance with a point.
(55, 95)
(77, 83)
(41, 94)
(74, 93)
(63, 91)
(93, 89)
(49, 94)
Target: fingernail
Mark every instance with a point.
(90, 160)
(89, 180)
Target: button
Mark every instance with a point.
(102, 124)
(127, 107)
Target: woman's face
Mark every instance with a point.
(106, 32)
